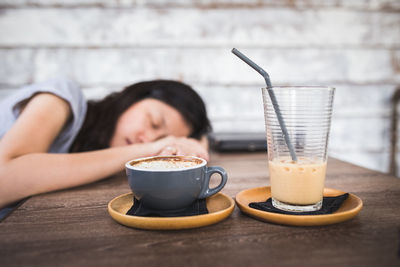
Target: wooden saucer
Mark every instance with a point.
(349, 208)
(219, 206)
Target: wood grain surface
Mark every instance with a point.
(73, 228)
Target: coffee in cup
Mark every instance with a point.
(171, 182)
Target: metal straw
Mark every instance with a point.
(273, 100)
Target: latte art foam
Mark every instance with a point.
(164, 164)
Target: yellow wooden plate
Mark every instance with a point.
(349, 208)
(219, 206)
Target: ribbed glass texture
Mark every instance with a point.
(306, 112)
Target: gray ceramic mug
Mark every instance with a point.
(171, 188)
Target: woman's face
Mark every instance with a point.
(146, 121)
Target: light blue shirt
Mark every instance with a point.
(10, 108)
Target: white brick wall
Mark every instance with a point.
(104, 45)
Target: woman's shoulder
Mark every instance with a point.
(60, 86)
(63, 88)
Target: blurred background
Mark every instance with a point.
(104, 45)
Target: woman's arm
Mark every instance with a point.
(27, 169)
(36, 173)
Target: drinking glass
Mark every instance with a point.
(306, 111)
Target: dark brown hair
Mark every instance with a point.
(102, 116)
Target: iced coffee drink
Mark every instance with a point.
(297, 171)
(298, 183)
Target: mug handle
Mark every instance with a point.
(207, 191)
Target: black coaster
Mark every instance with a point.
(329, 205)
(197, 208)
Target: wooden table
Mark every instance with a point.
(73, 228)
